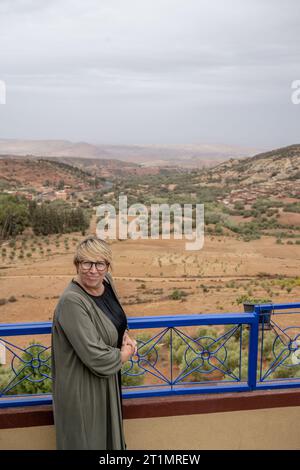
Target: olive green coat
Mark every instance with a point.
(85, 365)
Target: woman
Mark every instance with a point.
(89, 345)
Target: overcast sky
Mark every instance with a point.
(151, 71)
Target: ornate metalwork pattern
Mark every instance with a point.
(31, 364)
(201, 357)
(284, 352)
(147, 358)
(205, 355)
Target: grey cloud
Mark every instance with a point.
(148, 59)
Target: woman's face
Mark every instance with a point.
(91, 274)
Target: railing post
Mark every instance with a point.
(253, 350)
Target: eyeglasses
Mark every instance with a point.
(99, 265)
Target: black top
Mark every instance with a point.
(110, 305)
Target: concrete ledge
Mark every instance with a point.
(134, 408)
(209, 403)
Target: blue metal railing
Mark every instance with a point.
(230, 352)
(282, 370)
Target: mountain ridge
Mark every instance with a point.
(163, 154)
(276, 165)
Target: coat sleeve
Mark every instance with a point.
(101, 359)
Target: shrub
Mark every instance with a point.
(134, 379)
(145, 346)
(267, 345)
(177, 294)
(251, 300)
(283, 372)
(230, 285)
(206, 332)
(233, 360)
(244, 371)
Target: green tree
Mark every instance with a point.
(14, 215)
(57, 217)
(60, 184)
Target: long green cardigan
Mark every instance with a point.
(85, 365)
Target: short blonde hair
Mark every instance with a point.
(91, 249)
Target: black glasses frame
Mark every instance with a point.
(95, 263)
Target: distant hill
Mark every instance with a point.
(35, 173)
(272, 167)
(31, 171)
(290, 151)
(186, 155)
(277, 165)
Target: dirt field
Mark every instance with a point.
(147, 272)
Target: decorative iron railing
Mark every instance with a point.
(177, 354)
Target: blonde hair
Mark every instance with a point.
(91, 248)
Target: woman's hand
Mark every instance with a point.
(127, 352)
(129, 347)
(130, 341)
